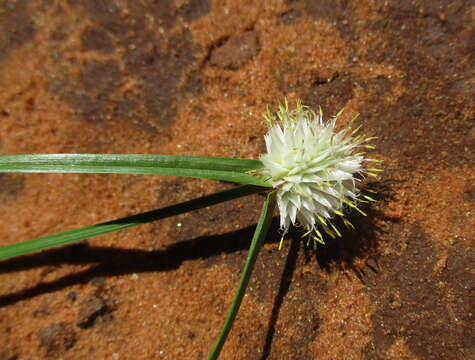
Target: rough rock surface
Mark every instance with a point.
(236, 51)
(193, 77)
(57, 338)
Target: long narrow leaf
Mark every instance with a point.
(71, 236)
(226, 169)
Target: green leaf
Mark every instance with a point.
(72, 236)
(225, 169)
(256, 244)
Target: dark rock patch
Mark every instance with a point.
(94, 39)
(335, 11)
(332, 9)
(193, 9)
(430, 312)
(437, 86)
(61, 33)
(8, 354)
(98, 281)
(157, 62)
(162, 75)
(10, 186)
(72, 296)
(42, 311)
(236, 51)
(90, 309)
(410, 129)
(331, 94)
(209, 220)
(469, 193)
(16, 26)
(91, 96)
(100, 11)
(57, 338)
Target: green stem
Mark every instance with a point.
(257, 240)
(71, 236)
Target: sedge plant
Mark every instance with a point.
(311, 172)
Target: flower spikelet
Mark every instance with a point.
(316, 170)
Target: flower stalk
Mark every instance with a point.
(256, 244)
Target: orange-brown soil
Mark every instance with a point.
(193, 77)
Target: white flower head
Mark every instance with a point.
(315, 169)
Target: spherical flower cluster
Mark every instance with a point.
(314, 169)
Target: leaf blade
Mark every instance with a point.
(225, 169)
(71, 236)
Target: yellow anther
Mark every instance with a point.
(329, 232)
(356, 130)
(350, 204)
(318, 239)
(348, 223)
(356, 117)
(369, 198)
(336, 230)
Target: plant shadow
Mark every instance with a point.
(359, 245)
(108, 262)
(336, 254)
